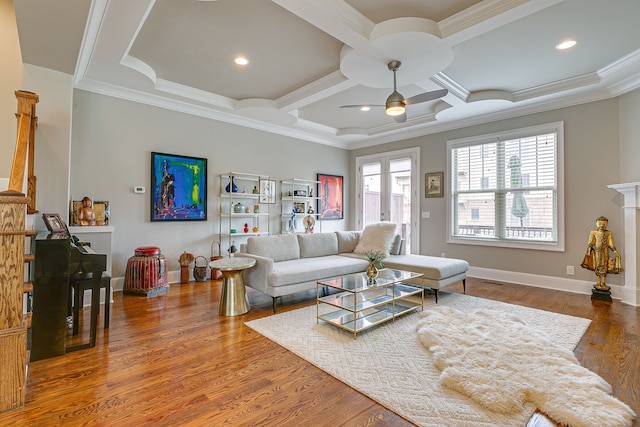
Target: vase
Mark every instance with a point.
(372, 271)
(292, 226)
(231, 186)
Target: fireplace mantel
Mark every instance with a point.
(630, 292)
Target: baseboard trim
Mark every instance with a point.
(540, 281)
(547, 282)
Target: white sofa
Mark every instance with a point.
(288, 263)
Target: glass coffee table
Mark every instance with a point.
(363, 303)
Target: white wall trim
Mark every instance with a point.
(539, 281)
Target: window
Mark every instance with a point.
(506, 189)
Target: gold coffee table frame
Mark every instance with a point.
(362, 303)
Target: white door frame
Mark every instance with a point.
(384, 159)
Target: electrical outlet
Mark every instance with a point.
(570, 270)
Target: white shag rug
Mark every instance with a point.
(390, 365)
(499, 361)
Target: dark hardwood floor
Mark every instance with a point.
(170, 360)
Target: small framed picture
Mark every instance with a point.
(54, 223)
(434, 184)
(301, 206)
(267, 191)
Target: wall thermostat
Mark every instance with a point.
(139, 190)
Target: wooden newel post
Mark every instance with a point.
(25, 147)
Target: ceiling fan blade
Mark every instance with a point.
(401, 118)
(361, 105)
(427, 96)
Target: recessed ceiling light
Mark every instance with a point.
(566, 44)
(241, 60)
(365, 108)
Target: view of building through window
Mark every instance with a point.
(506, 190)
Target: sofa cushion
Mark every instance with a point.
(347, 240)
(396, 245)
(281, 247)
(435, 268)
(312, 269)
(376, 237)
(317, 244)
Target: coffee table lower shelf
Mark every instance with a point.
(359, 321)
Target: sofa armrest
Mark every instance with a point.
(256, 277)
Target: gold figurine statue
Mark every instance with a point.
(597, 258)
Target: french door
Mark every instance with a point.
(387, 187)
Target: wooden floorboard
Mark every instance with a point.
(170, 360)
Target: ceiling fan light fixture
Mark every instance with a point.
(395, 110)
(395, 104)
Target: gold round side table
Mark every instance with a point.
(234, 300)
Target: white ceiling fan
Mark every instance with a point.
(395, 105)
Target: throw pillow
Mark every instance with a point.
(279, 248)
(376, 237)
(347, 240)
(317, 244)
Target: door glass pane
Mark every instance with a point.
(371, 193)
(400, 203)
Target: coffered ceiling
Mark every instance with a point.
(307, 58)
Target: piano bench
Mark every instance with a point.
(78, 284)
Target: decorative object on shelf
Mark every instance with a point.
(255, 229)
(309, 222)
(310, 210)
(331, 200)
(256, 208)
(246, 227)
(232, 249)
(215, 274)
(292, 219)
(86, 214)
(231, 186)
(375, 262)
(255, 190)
(233, 231)
(300, 207)
(200, 271)
(238, 208)
(267, 191)
(311, 192)
(433, 184)
(101, 211)
(247, 210)
(179, 188)
(185, 260)
(300, 193)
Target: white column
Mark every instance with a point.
(630, 292)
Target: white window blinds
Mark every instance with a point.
(506, 188)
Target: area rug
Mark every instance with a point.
(500, 362)
(389, 364)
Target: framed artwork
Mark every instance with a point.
(54, 223)
(330, 196)
(179, 188)
(267, 191)
(434, 184)
(302, 207)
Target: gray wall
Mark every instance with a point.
(110, 154)
(592, 159)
